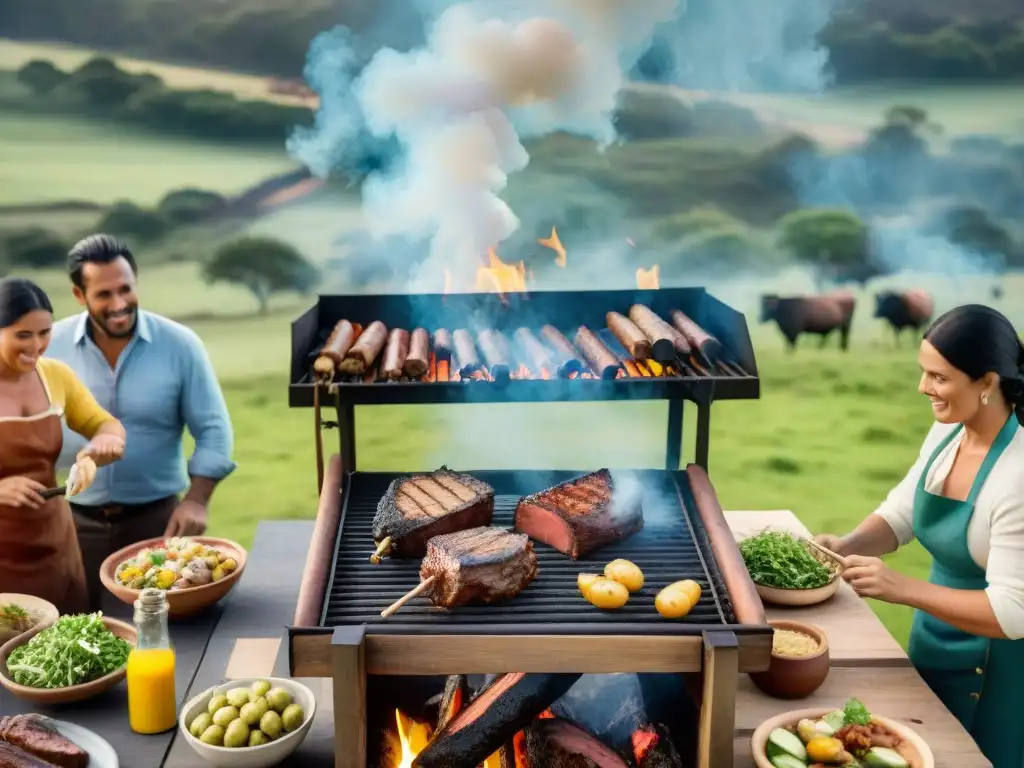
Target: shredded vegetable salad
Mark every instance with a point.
(76, 649)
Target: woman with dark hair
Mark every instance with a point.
(964, 501)
(39, 553)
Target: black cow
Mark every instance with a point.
(816, 315)
(905, 309)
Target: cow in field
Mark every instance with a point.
(816, 315)
(905, 309)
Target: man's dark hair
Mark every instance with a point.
(96, 249)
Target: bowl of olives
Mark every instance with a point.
(248, 723)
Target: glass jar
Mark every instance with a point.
(152, 703)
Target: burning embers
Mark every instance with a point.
(639, 345)
(516, 721)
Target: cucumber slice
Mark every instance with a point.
(787, 761)
(835, 720)
(787, 743)
(881, 757)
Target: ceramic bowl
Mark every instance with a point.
(800, 597)
(184, 602)
(44, 612)
(71, 694)
(914, 750)
(249, 757)
(789, 677)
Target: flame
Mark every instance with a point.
(647, 279)
(499, 277)
(555, 244)
(643, 741)
(413, 737)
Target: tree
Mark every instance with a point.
(263, 266)
(33, 247)
(126, 219)
(41, 76)
(835, 244)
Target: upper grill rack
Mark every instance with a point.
(671, 547)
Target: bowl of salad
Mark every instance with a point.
(788, 570)
(195, 571)
(23, 613)
(73, 659)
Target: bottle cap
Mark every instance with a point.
(151, 600)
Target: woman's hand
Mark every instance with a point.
(104, 449)
(21, 492)
(830, 541)
(870, 577)
(82, 474)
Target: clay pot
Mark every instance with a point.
(789, 677)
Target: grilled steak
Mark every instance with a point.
(481, 565)
(557, 743)
(578, 516)
(16, 757)
(419, 507)
(37, 734)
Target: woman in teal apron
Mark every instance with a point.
(973, 372)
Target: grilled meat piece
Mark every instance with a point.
(479, 565)
(556, 743)
(16, 757)
(37, 734)
(418, 507)
(581, 515)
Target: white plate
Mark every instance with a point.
(101, 754)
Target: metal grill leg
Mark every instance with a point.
(674, 439)
(703, 434)
(347, 435)
(348, 658)
(717, 736)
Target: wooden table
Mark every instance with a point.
(867, 662)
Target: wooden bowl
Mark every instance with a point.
(182, 602)
(800, 597)
(795, 677)
(71, 694)
(45, 612)
(915, 750)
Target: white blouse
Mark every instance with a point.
(995, 535)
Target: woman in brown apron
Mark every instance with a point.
(39, 552)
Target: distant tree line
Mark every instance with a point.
(897, 39)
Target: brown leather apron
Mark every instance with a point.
(39, 552)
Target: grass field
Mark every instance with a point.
(44, 158)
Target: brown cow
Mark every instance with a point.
(818, 315)
(905, 309)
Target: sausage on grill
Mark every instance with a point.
(666, 341)
(629, 335)
(442, 344)
(533, 352)
(465, 351)
(708, 345)
(602, 361)
(366, 349)
(336, 347)
(497, 355)
(565, 355)
(395, 353)
(418, 359)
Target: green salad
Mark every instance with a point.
(75, 650)
(781, 560)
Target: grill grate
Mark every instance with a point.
(671, 547)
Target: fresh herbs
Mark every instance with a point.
(781, 560)
(75, 650)
(855, 713)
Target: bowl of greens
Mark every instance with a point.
(75, 658)
(788, 570)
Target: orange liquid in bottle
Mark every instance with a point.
(151, 701)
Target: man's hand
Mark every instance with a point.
(870, 577)
(104, 449)
(188, 519)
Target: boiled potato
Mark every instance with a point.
(252, 711)
(292, 717)
(214, 736)
(199, 725)
(258, 738)
(261, 687)
(236, 735)
(626, 573)
(608, 594)
(673, 602)
(225, 715)
(216, 703)
(237, 697)
(692, 589)
(584, 582)
(271, 724)
(278, 699)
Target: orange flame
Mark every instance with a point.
(555, 244)
(413, 737)
(647, 279)
(499, 277)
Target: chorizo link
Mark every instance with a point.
(602, 361)
(335, 348)
(666, 341)
(418, 359)
(395, 353)
(443, 344)
(465, 350)
(366, 349)
(708, 345)
(532, 350)
(629, 335)
(566, 357)
(496, 352)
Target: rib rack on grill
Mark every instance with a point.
(581, 515)
(418, 507)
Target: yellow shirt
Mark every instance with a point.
(71, 397)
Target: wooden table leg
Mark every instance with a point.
(348, 658)
(718, 700)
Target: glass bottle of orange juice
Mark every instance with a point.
(152, 707)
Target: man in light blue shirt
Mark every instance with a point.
(153, 374)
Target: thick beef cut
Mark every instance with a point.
(556, 743)
(16, 757)
(481, 565)
(39, 736)
(578, 516)
(419, 507)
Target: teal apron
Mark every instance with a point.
(981, 681)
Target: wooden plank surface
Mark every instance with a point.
(857, 637)
(899, 694)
